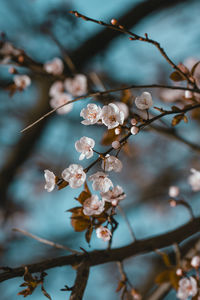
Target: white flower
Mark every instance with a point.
(187, 288)
(144, 101)
(103, 233)
(173, 191)
(93, 206)
(76, 86)
(195, 262)
(188, 94)
(56, 89)
(91, 114)
(194, 180)
(124, 108)
(74, 175)
(134, 130)
(111, 163)
(50, 180)
(101, 182)
(85, 145)
(61, 99)
(114, 196)
(112, 116)
(22, 81)
(54, 66)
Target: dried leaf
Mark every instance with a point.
(185, 119)
(159, 109)
(177, 119)
(126, 96)
(176, 76)
(62, 185)
(174, 279)
(163, 277)
(183, 68)
(108, 137)
(175, 108)
(83, 196)
(121, 284)
(79, 221)
(88, 234)
(45, 292)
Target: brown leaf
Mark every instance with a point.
(177, 119)
(183, 68)
(185, 119)
(174, 279)
(126, 96)
(62, 185)
(175, 108)
(45, 292)
(83, 196)
(79, 221)
(121, 284)
(159, 109)
(163, 277)
(88, 234)
(176, 76)
(75, 210)
(108, 137)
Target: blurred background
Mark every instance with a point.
(153, 160)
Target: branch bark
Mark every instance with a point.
(98, 257)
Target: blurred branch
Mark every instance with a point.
(44, 241)
(82, 274)
(100, 41)
(105, 256)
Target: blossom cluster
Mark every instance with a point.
(62, 92)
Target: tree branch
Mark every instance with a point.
(98, 257)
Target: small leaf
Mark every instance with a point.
(83, 196)
(159, 109)
(45, 292)
(174, 279)
(108, 137)
(163, 277)
(126, 96)
(176, 76)
(79, 221)
(177, 119)
(175, 108)
(62, 185)
(88, 234)
(121, 284)
(185, 119)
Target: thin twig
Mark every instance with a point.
(44, 241)
(127, 222)
(101, 93)
(137, 37)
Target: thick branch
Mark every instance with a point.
(104, 256)
(81, 281)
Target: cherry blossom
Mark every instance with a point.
(173, 191)
(112, 116)
(91, 114)
(124, 108)
(54, 66)
(50, 180)
(56, 89)
(116, 145)
(187, 288)
(194, 180)
(76, 86)
(85, 145)
(93, 206)
(111, 163)
(22, 81)
(103, 233)
(114, 196)
(61, 99)
(75, 175)
(101, 182)
(134, 130)
(195, 262)
(144, 101)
